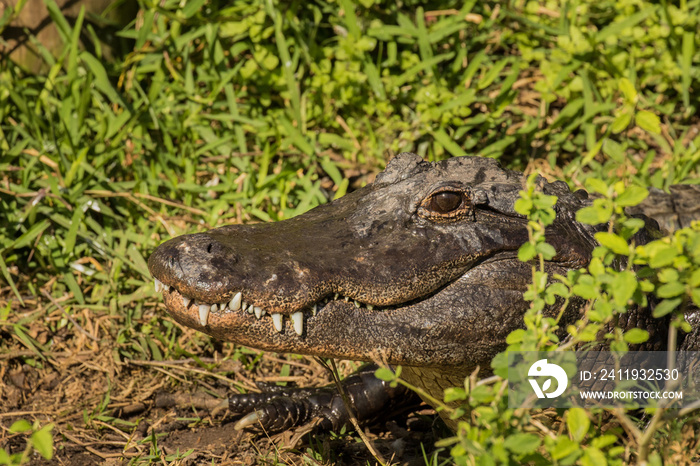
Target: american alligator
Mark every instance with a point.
(418, 269)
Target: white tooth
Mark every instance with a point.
(370, 307)
(186, 301)
(223, 306)
(347, 299)
(158, 285)
(258, 312)
(244, 305)
(277, 321)
(298, 322)
(204, 313)
(214, 308)
(357, 304)
(235, 303)
(251, 309)
(315, 309)
(263, 313)
(336, 296)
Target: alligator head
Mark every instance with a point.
(419, 268)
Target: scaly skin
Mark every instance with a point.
(417, 269)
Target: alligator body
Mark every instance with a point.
(419, 269)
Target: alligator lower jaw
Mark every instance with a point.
(223, 315)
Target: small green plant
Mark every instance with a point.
(620, 276)
(39, 440)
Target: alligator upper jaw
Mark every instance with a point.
(462, 324)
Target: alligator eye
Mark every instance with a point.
(446, 205)
(445, 202)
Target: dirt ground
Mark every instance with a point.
(106, 407)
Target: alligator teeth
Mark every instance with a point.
(214, 307)
(244, 305)
(158, 285)
(315, 309)
(204, 313)
(347, 299)
(186, 301)
(298, 322)
(258, 312)
(370, 307)
(251, 309)
(223, 307)
(357, 304)
(277, 321)
(235, 303)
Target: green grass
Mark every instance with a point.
(257, 111)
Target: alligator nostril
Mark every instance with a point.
(171, 261)
(209, 248)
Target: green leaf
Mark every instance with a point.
(102, 81)
(688, 49)
(648, 121)
(523, 206)
(492, 73)
(666, 306)
(586, 288)
(593, 457)
(42, 440)
(594, 215)
(546, 249)
(695, 295)
(632, 196)
(192, 7)
(628, 90)
(694, 280)
(614, 150)
(20, 426)
(332, 170)
(385, 374)
(670, 290)
(564, 447)
(578, 423)
(558, 289)
(526, 252)
(30, 235)
(613, 242)
(455, 394)
(636, 335)
(516, 336)
(300, 141)
(522, 443)
(597, 185)
(448, 143)
(660, 254)
(623, 287)
(604, 441)
(621, 121)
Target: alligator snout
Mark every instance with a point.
(197, 265)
